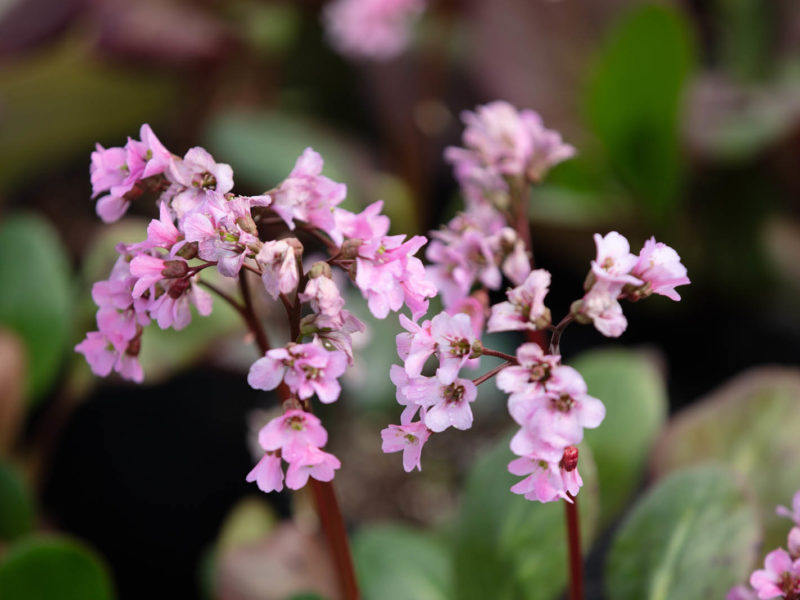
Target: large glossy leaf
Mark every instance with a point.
(692, 537)
(36, 299)
(16, 505)
(634, 98)
(48, 568)
(751, 424)
(507, 547)
(397, 563)
(634, 394)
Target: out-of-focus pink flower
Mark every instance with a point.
(267, 473)
(410, 439)
(794, 513)
(366, 225)
(292, 432)
(741, 592)
(779, 579)
(525, 307)
(310, 462)
(501, 141)
(660, 268)
(324, 297)
(375, 29)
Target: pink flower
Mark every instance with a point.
(308, 368)
(545, 481)
(517, 265)
(501, 141)
(161, 232)
(779, 579)
(450, 406)
(600, 306)
(195, 177)
(172, 309)
(292, 432)
(614, 260)
(533, 372)
(376, 29)
(108, 169)
(525, 308)
(366, 225)
(410, 439)
(307, 195)
(313, 462)
(794, 513)
(324, 297)
(267, 473)
(279, 267)
(454, 340)
(415, 346)
(660, 268)
(149, 270)
(102, 356)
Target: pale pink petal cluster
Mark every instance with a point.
(617, 274)
(501, 142)
(296, 436)
(525, 307)
(372, 29)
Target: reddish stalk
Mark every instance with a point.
(575, 556)
(330, 515)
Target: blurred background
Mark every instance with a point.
(686, 117)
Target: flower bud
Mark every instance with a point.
(576, 309)
(350, 248)
(189, 250)
(177, 289)
(320, 269)
(543, 320)
(476, 349)
(296, 245)
(569, 462)
(174, 269)
(247, 224)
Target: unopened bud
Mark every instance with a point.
(188, 251)
(255, 247)
(350, 248)
(590, 280)
(308, 325)
(177, 289)
(320, 269)
(247, 224)
(575, 309)
(134, 346)
(296, 245)
(353, 270)
(636, 293)
(543, 320)
(569, 462)
(174, 269)
(476, 349)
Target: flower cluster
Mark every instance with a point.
(780, 577)
(203, 225)
(505, 151)
(373, 29)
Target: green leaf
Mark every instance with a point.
(752, 425)
(398, 563)
(50, 568)
(635, 397)
(692, 537)
(263, 146)
(16, 505)
(36, 301)
(633, 102)
(507, 547)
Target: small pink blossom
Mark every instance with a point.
(660, 268)
(531, 374)
(306, 368)
(546, 481)
(410, 439)
(525, 307)
(292, 432)
(324, 296)
(149, 270)
(794, 513)
(279, 267)
(310, 462)
(307, 195)
(366, 225)
(103, 356)
(108, 169)
(195, 177)
(172, 309)
(267, 473)
(600, 306)
(614, 260)
(415, 346)
(779, 579)
(451, 405)
(454, 340)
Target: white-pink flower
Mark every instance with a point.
(267, 473)
(601, 307)
(546, 481)
(614, 261)
(310, 462)
(292, 432)
(279, 267)
(660, 268)
(410, 439)
(454, 339)
(525, 307)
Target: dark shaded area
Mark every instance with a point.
(146, 475)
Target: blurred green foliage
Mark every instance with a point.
(16, 505)
(692, 537)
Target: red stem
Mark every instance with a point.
(330, 515)
(575, 556)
